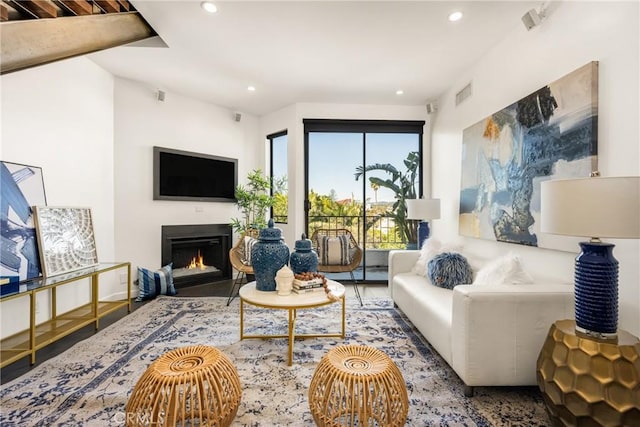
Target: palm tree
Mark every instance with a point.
(403, 185)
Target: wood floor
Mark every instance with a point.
(219, 289)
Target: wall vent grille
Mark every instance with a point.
(463, 94)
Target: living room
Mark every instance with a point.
(92, 134)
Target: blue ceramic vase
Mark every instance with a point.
(268, 255)
(303, 259)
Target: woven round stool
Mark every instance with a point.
(357, 385)
(195, 385)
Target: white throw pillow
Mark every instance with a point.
(503, 270)
(431, 248)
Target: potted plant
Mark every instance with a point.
(403, 184)
(253, 200)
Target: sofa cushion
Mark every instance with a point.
(153, 283)
(334, 250)
(503, 270)
(431, 248)
(247, 246)
(449, 269)
(428, 307)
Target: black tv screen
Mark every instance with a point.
(187, 176)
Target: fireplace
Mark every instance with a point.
(199, 253)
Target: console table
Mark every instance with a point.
(27, 342)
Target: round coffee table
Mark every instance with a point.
(292, 302)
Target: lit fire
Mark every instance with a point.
(197, 262)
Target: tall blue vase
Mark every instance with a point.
(304, 258)
(268, 255)
(596, 289)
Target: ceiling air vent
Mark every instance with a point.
(463, 94)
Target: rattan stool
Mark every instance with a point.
(357, 385)
(195, 385)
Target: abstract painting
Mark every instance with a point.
(550, 134)
(67, 242)
(21, 187)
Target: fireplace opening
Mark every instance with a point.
(199, 253)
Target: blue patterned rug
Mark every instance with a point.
(89, 384)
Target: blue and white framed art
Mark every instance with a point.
(549, 134)
(21, 186)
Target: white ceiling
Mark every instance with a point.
(313, 51)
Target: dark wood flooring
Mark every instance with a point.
(22, 366)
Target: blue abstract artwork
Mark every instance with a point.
(21, 187)
(549, 134)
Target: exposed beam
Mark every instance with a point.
(109, 6)
(77, 7)
(124, 5)
(30, 43)
(4, 12)
(38, 8)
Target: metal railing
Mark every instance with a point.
(379, 233)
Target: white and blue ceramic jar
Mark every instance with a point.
(268, 255)
(304, 258)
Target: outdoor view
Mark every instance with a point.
(367, 200)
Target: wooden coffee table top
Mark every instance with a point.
(271, 299)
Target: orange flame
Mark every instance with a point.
(197, 262)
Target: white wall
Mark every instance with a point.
(60, 117)
(141, 122)
(290, 118)
(574, 34)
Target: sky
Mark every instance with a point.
(334, 158)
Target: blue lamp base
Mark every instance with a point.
(596, 290)
(423, 232)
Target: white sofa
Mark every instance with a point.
(489, 334)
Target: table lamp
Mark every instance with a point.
(594, 207)
(423, 209)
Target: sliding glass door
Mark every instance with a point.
(358, 174)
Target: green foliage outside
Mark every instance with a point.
(386, 225)
(403, 184)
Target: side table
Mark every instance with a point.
(589, 381)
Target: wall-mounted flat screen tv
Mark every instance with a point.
(187, 176)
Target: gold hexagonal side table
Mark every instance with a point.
(587, 381)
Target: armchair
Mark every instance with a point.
(238, 262)
(332, 264)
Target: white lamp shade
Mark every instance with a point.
(591, 207)
(423, 209)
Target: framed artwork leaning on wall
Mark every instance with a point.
(66, 239)
(21, 186)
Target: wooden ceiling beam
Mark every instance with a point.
(124, 5)
(4, 12)
(108, 6)
(30, 43)
(77, 7)
(38, 8)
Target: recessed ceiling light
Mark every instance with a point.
(455, 16)
(209, 6)
(251, 88)
(399, 92)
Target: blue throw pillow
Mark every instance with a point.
(449, 269)
(154, 283)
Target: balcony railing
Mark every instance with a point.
(379, 233)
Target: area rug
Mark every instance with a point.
(89, 384)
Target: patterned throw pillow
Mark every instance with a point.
(154, 283)
(334, 250)
(449, 269)
(247, 246)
